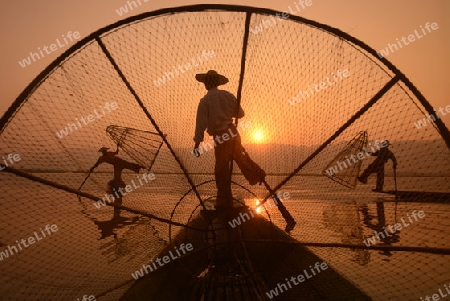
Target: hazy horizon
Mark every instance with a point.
(362, 20)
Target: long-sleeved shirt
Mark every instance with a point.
(215, 112)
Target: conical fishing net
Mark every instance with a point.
(306, 89)
(143, 147)
(344, 168)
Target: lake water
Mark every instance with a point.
(90, 254)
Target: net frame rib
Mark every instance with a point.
(149, 116)
(92, 197)
(34, 84)
(95, 36)
(398, 77)
(349, 122)
(248, 17)
(105, 31)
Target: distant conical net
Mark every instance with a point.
(142, 146)
(306, 90)
(345, 167)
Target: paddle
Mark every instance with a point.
(395, 180)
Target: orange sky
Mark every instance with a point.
(29, 25)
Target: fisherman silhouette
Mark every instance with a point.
(116, 185)
(377, 166)
(215, 114)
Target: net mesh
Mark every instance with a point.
(142, 147)
(302, 84)
(344, 168)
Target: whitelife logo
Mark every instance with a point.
(9, 159)
(265, 24)
(300, 278)
(433, 117)
(128, 188)
(166, 259)
(169, 75)
(71, 127)
(302, 95)
(31, 240)
(411, 38)
(436, 296)
(49, 49)
(392, 229)
(359, 157)
(124, 9)
(209, 145)
(245, 217)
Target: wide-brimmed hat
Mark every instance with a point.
(211, 75)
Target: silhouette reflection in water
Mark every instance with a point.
(378, 224)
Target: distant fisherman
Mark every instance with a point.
(383, 155)
(116, 183)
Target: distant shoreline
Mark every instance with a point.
(238, 174)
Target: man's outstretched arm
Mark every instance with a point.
(200, 126)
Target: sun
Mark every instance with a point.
(258, 136)
(258, 208)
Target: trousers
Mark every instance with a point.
(225, 153)
(378, 168)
